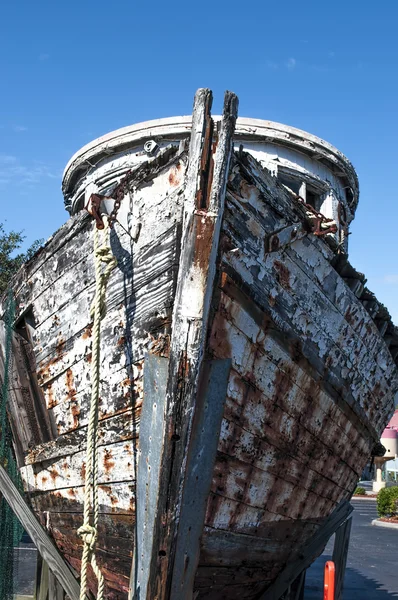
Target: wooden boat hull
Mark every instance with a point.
(233, 342)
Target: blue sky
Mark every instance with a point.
(71, 71)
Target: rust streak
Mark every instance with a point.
(203, 240)
(54, 474)
(108, 462)
(283, 274)
(70, 383)
(75, 414)
(175, 175)
(87, 332)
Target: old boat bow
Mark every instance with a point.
(246, 370)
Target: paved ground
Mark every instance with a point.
(26, 570)
(368, 485)
(372, 564)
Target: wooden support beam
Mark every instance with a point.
(340, 552)
(313, 548)
(42, 541)
(295, 590)
(55, 590)
(44, 581)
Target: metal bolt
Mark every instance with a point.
(151, 147)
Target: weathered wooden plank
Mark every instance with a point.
(160, 209)
(115, 498)
(261, 489)
(158, 204)
(352, 346)
(119, 391)
(226, 548)
(116, 584)
(309, 322)
(315, 349)
(255, 241)
(293, 348)
(140, 299)
(23, 425)
(255, 187)
(111, 430)
(115, 463)
(307, 295)
(287, 444)
(38, 535)
(115, 531)
(151, 306)
(107, 543)
(259, 452)
(207, 576)
(161, 252)
(264, 340)
(232, 515)
(359, 323)
(231, 591)
(117, 560)
(25, 278)
(278, 391)
(320, 434)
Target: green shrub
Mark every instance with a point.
(359, 491)
(387, 502)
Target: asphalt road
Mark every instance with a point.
(372, 563)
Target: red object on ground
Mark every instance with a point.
(328, 585)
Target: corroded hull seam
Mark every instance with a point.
(246, 371)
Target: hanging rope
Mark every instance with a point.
(88, 533)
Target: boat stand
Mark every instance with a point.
(296, 589)
(290, 584)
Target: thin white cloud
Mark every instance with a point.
(13, 171)
(332, 54)
(271, 64)
(19, 128)
(291, 64)
(44, 56)
(392, 279)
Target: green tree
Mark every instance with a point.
(10, 261)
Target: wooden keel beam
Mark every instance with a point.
(148, 471)
(42, 541)
(207, 175)
(199, 472)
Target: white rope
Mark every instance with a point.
(88, 533)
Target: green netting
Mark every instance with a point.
(10, 528)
